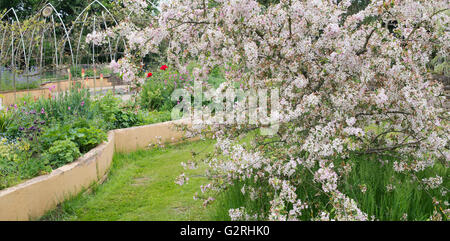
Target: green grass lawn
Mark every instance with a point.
(406, 197)
(141, 187)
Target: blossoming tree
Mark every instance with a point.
(349, 84)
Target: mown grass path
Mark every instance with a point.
(141, 187)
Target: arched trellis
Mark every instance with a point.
(84, 15)
(10, 53)
(66, 33)
(16, 19)
(52, 45)
(35, 32)
(48, 46)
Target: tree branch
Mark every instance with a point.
(364, 48)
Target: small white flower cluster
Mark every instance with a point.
(327, 177)
(125, 69)
(346, 209)
(189, 165)
(136, 6)
(181, 180)
(240, 214)
(432, 182)
(97, 38)
(400, 166)
(251, 51)
(363, 188)
(381, 98)
(390, 187)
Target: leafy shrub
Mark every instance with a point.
(5, 120)
(17, 163)
(61, 153)
(57, 132)
(125, 118)
(115, 114)
(107, 107)
(88, 138)
(24, 122)
(10, 152)
(82, 133)
(157, 90)
(147, 118)
(152, 97)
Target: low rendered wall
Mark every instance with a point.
(9, 97)
(32, 199)
(135, 138)
(65, 85)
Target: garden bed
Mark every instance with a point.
(41, 134)
(32, 199)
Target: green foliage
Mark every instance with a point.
(83, 133)
(57, 132)
(267, 3)
(17, 163)
(152, 97)
(23, 122)
(68, 9)
(155, 95)
(116, 115)
(88, 138)
(72, 103)
(107, 107)
(147, 118)
(61, 153)
(440, 66)
(157, 90)
(406, 197)
(76, 72)
(378, 199)
(357, 6)
(5, 120)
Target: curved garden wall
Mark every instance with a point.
(10, 97)
(32, 199)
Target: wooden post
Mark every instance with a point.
(82, 77)
(101, 82)
(70, 78)
(95, 76)
(13, 68)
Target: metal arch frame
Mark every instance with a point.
(85, 11)
(87, 8)
(67, 38)
(66, 30)
(20, 31)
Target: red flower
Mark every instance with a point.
(164, 67)
(149, 75)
